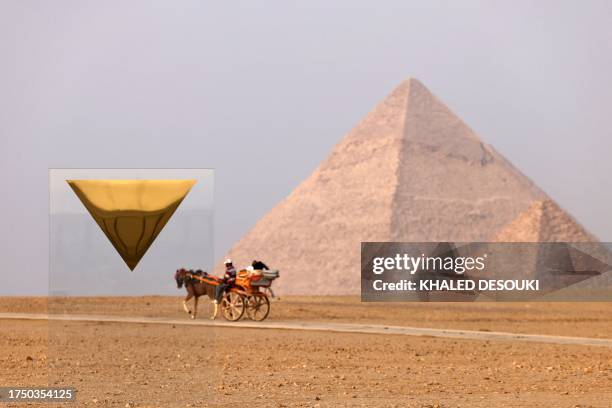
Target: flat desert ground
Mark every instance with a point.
(119, 364)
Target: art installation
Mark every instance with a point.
(131, 213)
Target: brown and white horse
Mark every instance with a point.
(195, 287)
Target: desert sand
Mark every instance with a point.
(143, 365)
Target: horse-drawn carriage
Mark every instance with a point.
(248, 295)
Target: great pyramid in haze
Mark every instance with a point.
(411, 170)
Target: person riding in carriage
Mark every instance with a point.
(259, 266)
(228, 280)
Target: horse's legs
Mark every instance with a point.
(195, 308)
(187, 298)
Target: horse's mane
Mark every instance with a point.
(185, 277)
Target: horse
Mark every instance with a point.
(195, 287)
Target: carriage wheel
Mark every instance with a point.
(232, 306)
(257, 307)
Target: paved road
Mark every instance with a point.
(326, 327)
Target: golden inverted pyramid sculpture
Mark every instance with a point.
(131, 213)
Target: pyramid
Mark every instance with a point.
(411, 170)
(131, 213)
(544, 221)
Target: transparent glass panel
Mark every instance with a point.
(109, 324)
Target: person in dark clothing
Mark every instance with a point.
(260, 266)
(228, 280)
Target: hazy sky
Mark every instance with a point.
(261, 91)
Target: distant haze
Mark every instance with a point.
(261, 92)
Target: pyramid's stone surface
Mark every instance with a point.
(544, 221)
(409, 171)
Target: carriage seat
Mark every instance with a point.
(271, 274)
(265, 278)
